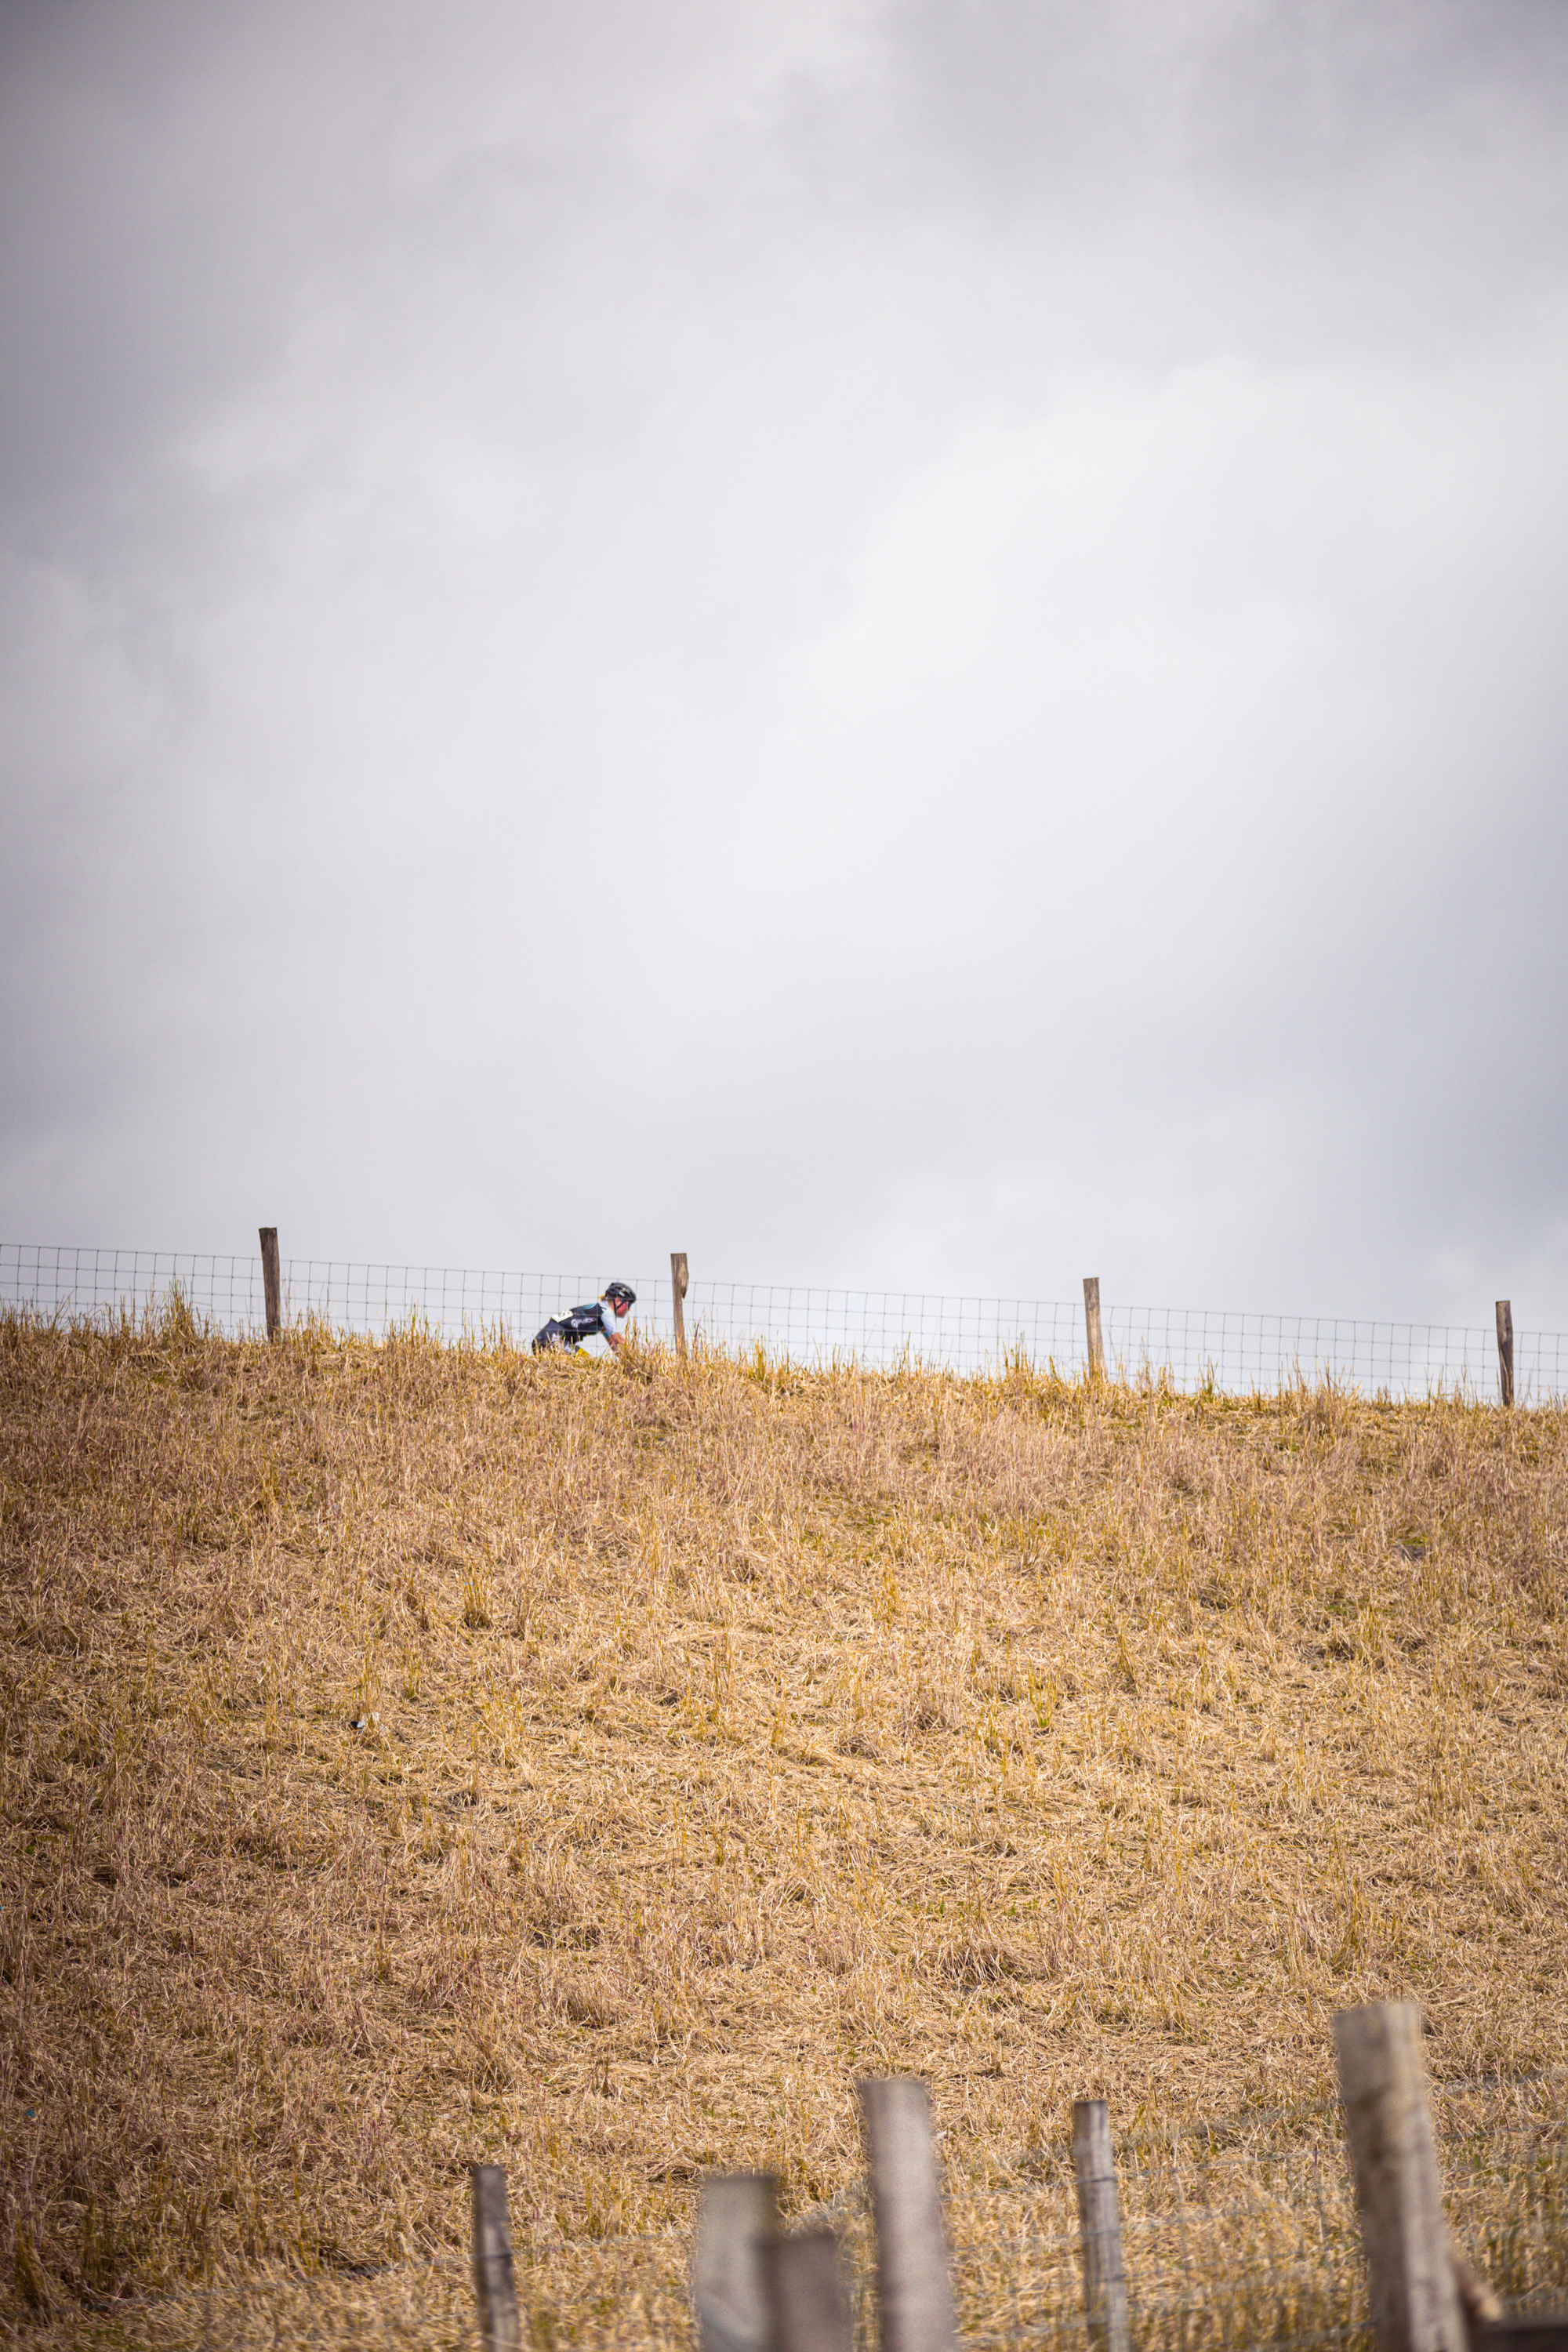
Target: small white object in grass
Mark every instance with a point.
(365, 1723)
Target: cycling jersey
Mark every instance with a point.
(596, 1319)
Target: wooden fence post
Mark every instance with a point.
(912, 2284)
(495, 2279)
(1099, 2219)
(1505, 1347)
(804, 2283)
(1394, 2159)
(677, 1285)
(270, 1282)
(1092, 1322)
(738, 2212)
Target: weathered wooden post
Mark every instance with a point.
(912, 2284)
(1505, 1348)
(677, 1287)
(804, 2283)
(1100, 2220)
(1394, 2160)
(495, 2278)
(269, 1283)
(738, 2212)
(1091, 1324)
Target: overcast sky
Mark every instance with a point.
(920, 643)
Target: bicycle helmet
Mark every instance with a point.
(619, 1293)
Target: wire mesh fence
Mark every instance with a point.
(1223, 2249)
(1234, 1351)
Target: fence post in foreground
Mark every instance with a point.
(495, 2279)
(804, 2283)
(912, 2285)
(270, 1282)
(1091, 1321)
(1505, 1347)
(1099, 2219)
(1394, 2159)
(737, 2214)
(677, 1287)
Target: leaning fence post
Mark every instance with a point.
(1091, 1323)
(269, 1283)
(737, 2213)
(1099, 2219)
(495, 2279)
(805, 2282)
(1505, 1348)
(677, 1285)
(1394, 2159)
(912, 2284)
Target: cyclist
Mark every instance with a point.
(604, 1317)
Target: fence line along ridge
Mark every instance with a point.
(1234, 1350)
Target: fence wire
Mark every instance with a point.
(1222, 2250)
(1191, 1347)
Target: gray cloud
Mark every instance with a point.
(915, 644)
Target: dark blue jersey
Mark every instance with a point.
(570, 1330)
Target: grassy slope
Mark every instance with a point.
(730, 1733)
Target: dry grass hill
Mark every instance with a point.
(411, 1754)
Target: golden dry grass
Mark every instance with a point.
(728, 1732)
